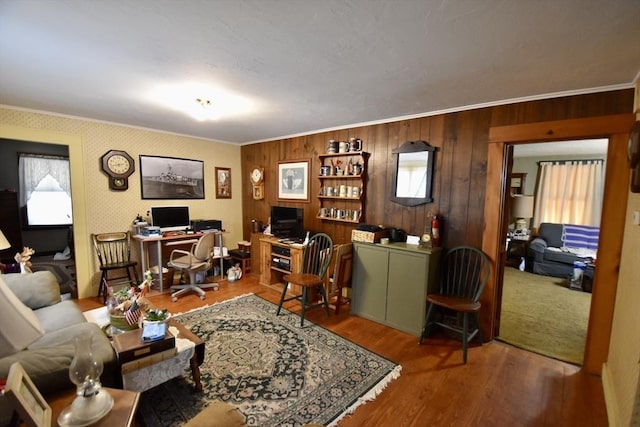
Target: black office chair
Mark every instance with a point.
(462, 279)
(315, 262)
(114, 253)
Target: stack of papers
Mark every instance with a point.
(153, 331)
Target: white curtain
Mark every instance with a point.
(569, 192)
(33, 168)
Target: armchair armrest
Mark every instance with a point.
(537, 247)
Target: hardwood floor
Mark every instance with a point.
(500, 385)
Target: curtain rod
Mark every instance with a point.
(540, 162)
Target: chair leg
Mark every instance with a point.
(130, 279)
(102, 287)
(465, 332)
(426, 323)
(326, 300)
(338, 298)
(284, 292)
(479, 333)
(135, 274)
(304, 305)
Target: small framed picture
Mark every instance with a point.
(293, 180)
(25, 398)
(223, 183)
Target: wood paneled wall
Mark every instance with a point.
(459, 184)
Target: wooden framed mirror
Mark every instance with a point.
(413, 173)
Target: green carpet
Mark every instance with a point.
(540, 314)
(276, 373)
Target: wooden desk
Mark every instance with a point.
(173, 240)
(125, 405)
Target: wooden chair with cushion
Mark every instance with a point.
(341, 277)
(191, 262)
(316, 258)
(462, 279)
(114, 254)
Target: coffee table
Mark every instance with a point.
(147, 372)
(190, 351)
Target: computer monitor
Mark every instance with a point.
(287, 222)
(170, 218)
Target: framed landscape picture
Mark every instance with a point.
(171, 178)
(293, 180)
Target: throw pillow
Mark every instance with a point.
(20, 325)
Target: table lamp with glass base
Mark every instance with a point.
(92, 402)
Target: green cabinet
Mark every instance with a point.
(391, 282)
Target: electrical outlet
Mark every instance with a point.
(636, 217)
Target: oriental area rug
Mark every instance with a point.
(273, 371)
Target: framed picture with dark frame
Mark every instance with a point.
(171, 178)
(293, 180)
(223, 183)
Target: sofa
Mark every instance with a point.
(556, 247)
(47, 359)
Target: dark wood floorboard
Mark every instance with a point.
(500, 386)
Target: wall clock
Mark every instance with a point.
(118, 165)
(257, 181)
(633, 148)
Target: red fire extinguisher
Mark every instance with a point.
(435, 230)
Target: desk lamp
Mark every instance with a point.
(522, 210)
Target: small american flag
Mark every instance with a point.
(133, 314)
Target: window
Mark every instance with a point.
(570, 192)
(45, 189)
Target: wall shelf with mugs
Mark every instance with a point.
(342, 178)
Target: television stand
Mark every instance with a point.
(290, 241)
(284, 254)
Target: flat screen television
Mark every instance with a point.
(170, 218)
(287, 222)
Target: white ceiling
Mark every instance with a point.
(308, 65)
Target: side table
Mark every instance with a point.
(516, 250)
(125, 405)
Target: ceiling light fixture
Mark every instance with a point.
(204, 110)
(202, 102)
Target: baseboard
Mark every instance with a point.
(610, 401)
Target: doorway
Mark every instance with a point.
(76, 158)
(616, 129)
(539, 312)
(52, 243)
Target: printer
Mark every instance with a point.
(206, 224)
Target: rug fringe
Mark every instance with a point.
(370, 395)
(211, 305)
